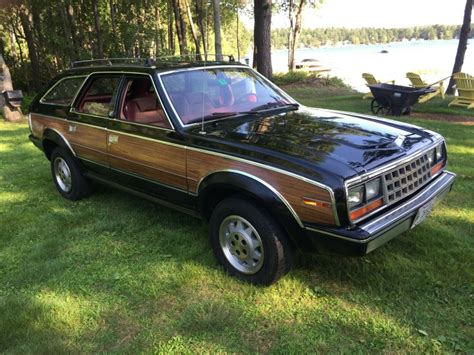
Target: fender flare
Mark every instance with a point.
(252, 187)
(58, 138)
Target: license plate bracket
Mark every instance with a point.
(422, 213)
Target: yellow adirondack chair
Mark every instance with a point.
(465, 85)
(370, 79)
(417, 82)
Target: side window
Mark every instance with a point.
(63, 92)
(139, 104)
(100, 95)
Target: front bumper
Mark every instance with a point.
(372, 234)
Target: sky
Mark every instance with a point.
(379, 13)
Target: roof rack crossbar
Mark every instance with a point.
(149, 62)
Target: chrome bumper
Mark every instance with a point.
(370, 235)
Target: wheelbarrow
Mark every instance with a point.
(395, 100)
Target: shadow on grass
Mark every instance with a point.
(27, 326)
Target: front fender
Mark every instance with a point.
(222, 184)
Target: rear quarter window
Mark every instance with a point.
(63, 92)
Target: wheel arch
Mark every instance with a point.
(220, 185)
(53, 138)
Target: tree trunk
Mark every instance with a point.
(262, 37)
(100, 46)
(11, 115)
(462, 46)
(67, 31)
(158, 33)
(113, 20)
(196, 35)
(217, 29)
(171, 46)
(295, 12)
(180, 29)
(200, 20)
(30, 41)
(238, 34)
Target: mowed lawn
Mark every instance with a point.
(114, 273)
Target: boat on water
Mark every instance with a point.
(311, 64)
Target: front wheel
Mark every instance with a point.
(67, 175)
(248, 242)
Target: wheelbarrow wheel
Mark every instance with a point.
(380, 106)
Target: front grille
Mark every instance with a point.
(407, 178)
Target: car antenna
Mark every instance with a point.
(202, 131)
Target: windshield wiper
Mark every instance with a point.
(275, 104)
(215, 115)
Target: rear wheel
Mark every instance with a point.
(248, 242)
(67, 175)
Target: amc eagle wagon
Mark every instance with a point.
(219, 141)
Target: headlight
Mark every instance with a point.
(355, 196)
(373, 188)
(364, 198)
(432, 157)
(439, 152)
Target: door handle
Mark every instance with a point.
(113, 139)
(72, 128)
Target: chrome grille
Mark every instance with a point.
(407, 178)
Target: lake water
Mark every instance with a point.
(433, 60)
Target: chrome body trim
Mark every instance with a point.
(136, 176)
(73, 110)
(68, 121)
(41, 101)
(280, 171)
(436, 191)
(383, 221)
(63, 138)
(270, 187)
(267, 167)
(378, 172)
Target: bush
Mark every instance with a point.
(292, 77)
(308, 78)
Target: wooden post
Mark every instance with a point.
(10, 114)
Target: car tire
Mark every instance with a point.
(68, 176)
(248, 242)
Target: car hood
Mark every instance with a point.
(321, 136)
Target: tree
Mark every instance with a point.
(295, 11)
(462, 46)
(262, 57)
(100, 46)
(11, 115)
(217, 29)
(194, 32)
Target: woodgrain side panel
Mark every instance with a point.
(150, 159)
(292, 189)
(88, 142)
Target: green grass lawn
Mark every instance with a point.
(116, 273)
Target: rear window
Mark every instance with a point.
(63, 92)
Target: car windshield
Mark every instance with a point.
(216, 93)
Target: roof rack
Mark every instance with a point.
(151, 62)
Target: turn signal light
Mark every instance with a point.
(437, 167)
(356, 214)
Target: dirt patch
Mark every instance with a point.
(468, 121)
